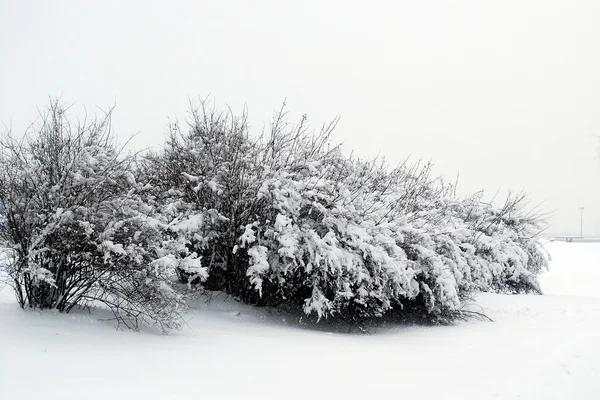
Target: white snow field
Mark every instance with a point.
(538, 347)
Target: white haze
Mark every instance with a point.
(507, 93)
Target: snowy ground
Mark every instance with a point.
(539, 347)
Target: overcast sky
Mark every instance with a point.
(505, 92)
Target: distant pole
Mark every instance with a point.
(581, 222)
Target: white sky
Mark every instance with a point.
(505, 92)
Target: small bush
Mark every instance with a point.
(77, 227)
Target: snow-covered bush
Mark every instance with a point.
(281, 218)
(288, 218)
(361, 247)
(78, 227)
(203, 179)
(474, 247)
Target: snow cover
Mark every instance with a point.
(539, 347)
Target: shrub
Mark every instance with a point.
(78, 228)
(282, 218)
(288, 218)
